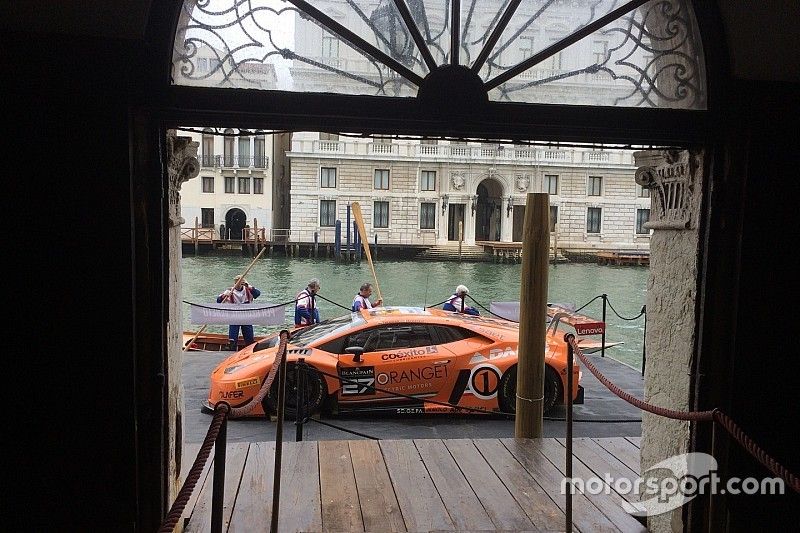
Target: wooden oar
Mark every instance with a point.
(253, 262)
(365, 242)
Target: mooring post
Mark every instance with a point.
(347, 249)
(255, 236)
(196, 235)
(316, 243)
(337, 241)
(532, 316)
(375, 252)
(357, 239)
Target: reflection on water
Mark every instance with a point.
(425, 283)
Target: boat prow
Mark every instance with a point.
(211, 342)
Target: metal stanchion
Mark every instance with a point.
(603, 335)
(276, 484)
(570, 362)
(300, 383)
(644, 339)
(218, 493)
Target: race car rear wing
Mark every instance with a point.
(583, 324)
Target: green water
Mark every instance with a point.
(425, 283)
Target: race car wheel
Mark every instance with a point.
(508, 390)
(315, 391)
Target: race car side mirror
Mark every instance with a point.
(356, 351)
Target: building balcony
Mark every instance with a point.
(509, 154)
(227, 161)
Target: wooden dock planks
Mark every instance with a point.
(341, 510)
(379, 508)
(462, 503)
(420, 485)
(234, 464)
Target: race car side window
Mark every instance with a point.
(447, 334)
(391, 337)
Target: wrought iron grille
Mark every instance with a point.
(631, 53)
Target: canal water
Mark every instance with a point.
(425, 283)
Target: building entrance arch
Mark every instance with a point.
(488, 204)
(235, 220)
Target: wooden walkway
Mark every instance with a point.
(417, 485)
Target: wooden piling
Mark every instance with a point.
(196, 235)
(255, 237)
(532, 315)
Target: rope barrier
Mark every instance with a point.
(340, 428)
(437, 305)
(175, 512)
(334, 303)
(622, 317)
(264, 390)
(715, 415)
(753, 449)
(587, 303)
(661, 411)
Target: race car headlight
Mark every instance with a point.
(234, 368)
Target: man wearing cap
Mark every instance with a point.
(240, 293)
(456, 302)
(305, 307)
(361, 300)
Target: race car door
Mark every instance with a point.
(398, 358)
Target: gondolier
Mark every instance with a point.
(305, 309)
(361, 300)
(456, 302)
(240, 293)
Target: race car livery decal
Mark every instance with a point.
(459, 387)
(358, 380)
(494, 353)
(231, 395)
(411, 352)
(425, 373)
(247, 382)
(484, 381)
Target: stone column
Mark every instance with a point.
(182, 166)
(674, 180)
(506, 220)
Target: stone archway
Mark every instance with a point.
(487, 206)
(235, 221)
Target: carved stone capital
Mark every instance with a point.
(182, 165)
(672, 176)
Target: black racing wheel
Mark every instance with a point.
(311, 398)
(507, 395)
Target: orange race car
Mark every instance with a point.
(438, 361)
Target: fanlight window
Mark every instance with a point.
(584, 52)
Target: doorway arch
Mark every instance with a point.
(488, 202)
(235, 222)
(433, 111)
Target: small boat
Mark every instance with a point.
(211, 342)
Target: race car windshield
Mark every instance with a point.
(326, 328)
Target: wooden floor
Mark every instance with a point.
(417, 485)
